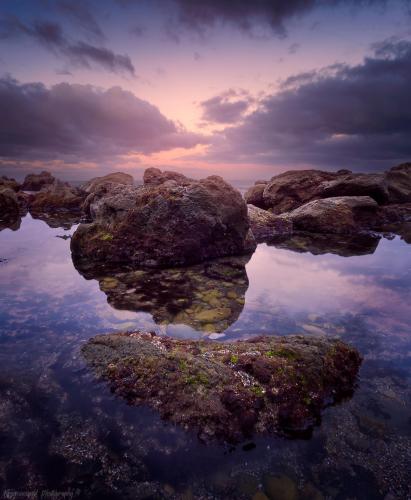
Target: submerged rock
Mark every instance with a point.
(227, 391)
(34, 182)
(265, 226)
(208, 297)
(170, 224)
(341, 215)
(115, 178)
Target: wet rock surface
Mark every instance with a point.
(227, 391)
(172, 223)
(208, 297)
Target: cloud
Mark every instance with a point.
(79, 53)
(82, 123)
(80, 14)
(228, 107)
(345, 116)
(244, 14)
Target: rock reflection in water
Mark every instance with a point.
(208, 297)
(320, 244)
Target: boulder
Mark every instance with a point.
(373, 185)
(154, 177)
(169, 225)
(58, 197)
(398, 181)
(109, 201)
(293, 188)
(340, 215)
(255, 194)
(232, 390)
(114, 178)
(7, 182)
(9, 209)
(35, 182)
(266, 226)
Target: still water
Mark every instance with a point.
(62, 430)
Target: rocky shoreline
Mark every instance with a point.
(228, 391)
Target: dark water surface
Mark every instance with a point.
(61, 430)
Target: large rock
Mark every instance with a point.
(109, 201)
(255, 194)
(341, 215)
(208, 297)
(373, 185)
(9, 209)
(114, 178)
(154, 177)
(266, 226)
(292, 189)
(170, 224)
(35, 182)
(58, 197)
(7, 182)
(399, 183)
(227, 391)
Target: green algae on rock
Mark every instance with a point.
(227, 391)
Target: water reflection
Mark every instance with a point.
(207, 297)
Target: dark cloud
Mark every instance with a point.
(228, 107)
(344, 116)
(81, 15)
(80, 122)
(244, 14)
(77, 52)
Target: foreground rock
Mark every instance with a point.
(208, 297)
(169, 224)
(115, 178)
(267, 226)
(227, 391)
(341, 215)
(35, 182)
(110, 201)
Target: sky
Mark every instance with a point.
(241, 89)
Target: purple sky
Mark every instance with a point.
(243, 89)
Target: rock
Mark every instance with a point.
(342, 215)
(293, 188)
(58, 197)
(398, 181)
(208, 297)
(267, 226)
(227, 391)
(34, 182)
(114, 178)
(9, 209)
(280, 488)
(7, 182)
(320, 244)
(372, 185)
(109, 201)
(170, 225)
(154, 177)
(254, 195)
